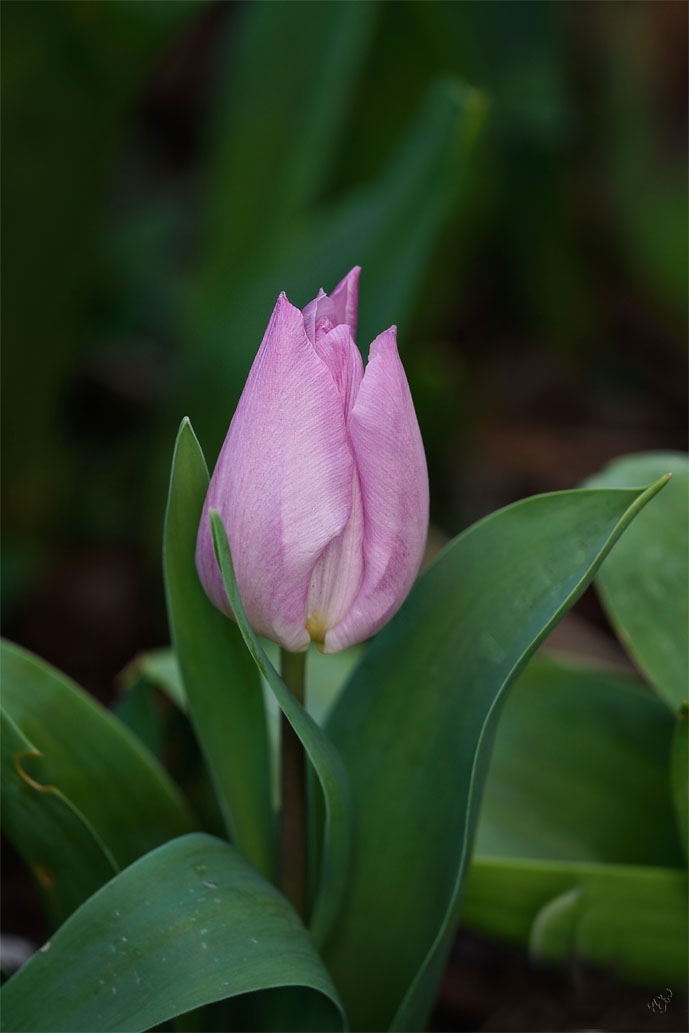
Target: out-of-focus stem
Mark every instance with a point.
(293, 782)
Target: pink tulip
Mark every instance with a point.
(321, 482)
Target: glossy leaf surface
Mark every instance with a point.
(579, 771)
(324, 757)
(66, 857)
(188, 924)
(222, 687)
(644, 584)
(99, 765)
(415, 725)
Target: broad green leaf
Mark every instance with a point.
(679, 775)
(321, 752)
(188, 924)
(415, 727)
(160, 668)
(644, 584)
(631, 920)
(222, 686)
(579, 771)
(99, 765)
(137, 710)
(63, 851)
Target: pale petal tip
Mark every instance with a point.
(349, 283)
(387, 341)
(287, 313)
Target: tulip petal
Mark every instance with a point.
(282, 483)
(346, 298)
(391, 464)
(340, 308)
(321, 307)
(336, 578)
(342, 357)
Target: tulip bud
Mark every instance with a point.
(321, 482)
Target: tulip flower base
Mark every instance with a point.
(311, 527)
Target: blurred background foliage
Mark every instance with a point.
(511, 177)
(170, 166)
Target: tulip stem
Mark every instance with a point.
(293, 781)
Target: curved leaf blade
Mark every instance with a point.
(629, 919)
(415, 726)
(188, 924)
(223, 691)
(99, 765)
(644, 583)
(579, 771)
(66, 857)
(337, 840)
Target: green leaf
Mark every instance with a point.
(159, 667)
(644, 584)
(325, 679)
(321, 752)
(679, 775)
(415, 726)
(326, 675)
(137, 710)
(99, 765)
(188, 924)
(65, 854)
(222, 686)
(630, 920)
(579, 771)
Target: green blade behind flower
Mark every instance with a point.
(221, 685)
(321, 752)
